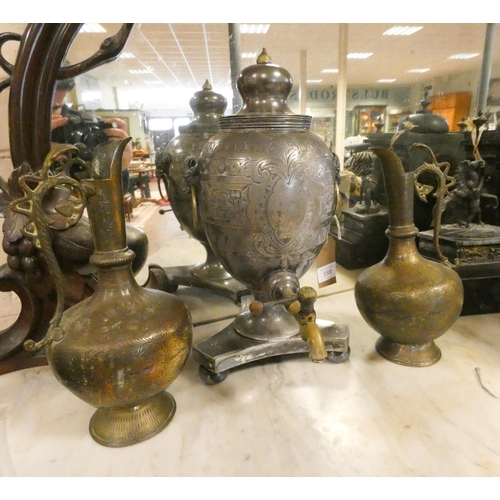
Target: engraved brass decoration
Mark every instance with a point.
(410, 301)
(119, 349)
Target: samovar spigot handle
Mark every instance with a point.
(303, 311)
(301, 306)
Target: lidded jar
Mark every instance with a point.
(208, 107)
(267, 190)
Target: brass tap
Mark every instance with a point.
(303, 311)
(301, 306)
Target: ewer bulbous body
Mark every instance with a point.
(208, 107)
(409, 300)
(123, 346)
(266, 186)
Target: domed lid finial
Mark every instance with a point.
(264, 57)
(207, 86)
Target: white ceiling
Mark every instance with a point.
(182, 56)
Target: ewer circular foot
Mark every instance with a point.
(409, 354)
(127, 425)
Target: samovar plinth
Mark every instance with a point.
(267, 191)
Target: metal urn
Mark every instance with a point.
(267, 193)
(120, 348)
(409, 300)
(174, 167)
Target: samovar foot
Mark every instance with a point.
(228, 349)
(169, 279)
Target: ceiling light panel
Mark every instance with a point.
(359, 55)
(254, 29)
(386, 80)
(402, 30)
(463, 56)
(419, 70)
(92, 28)
(330, 70)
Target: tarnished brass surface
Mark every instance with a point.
(121, 348)
(410, 301)
(303, 311)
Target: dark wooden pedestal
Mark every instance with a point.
(362, 241)
(475, 255)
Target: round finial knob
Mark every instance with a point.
(207, 86)
(264, 57)
(264, 87)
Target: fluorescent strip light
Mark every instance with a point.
(402, 30)
(386, 80)
(329, 70)
(91, 95)
(153, 82)
(419, 70)
(463, 56)
(249, 55)
(359, 55)
(126, 55)
(254, 29)
(139, 71)
(314, 81)
(92, 28)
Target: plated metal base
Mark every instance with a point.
(169, 279)
(228, 349)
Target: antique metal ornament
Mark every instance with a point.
(366, 165)
(175, 166)
(410, 301)
(267, 195)
(119, 349)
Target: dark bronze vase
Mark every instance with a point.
(121, 348)
(208, 107)
(409, 300)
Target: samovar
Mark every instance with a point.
(173, 166)
(268, 187)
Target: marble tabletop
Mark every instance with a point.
(287, 417)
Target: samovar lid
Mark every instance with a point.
(208, 106)
(264, 88)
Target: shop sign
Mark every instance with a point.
(355, 95)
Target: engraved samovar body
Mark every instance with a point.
(173, 166)
(267, 194)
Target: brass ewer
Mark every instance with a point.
(409, 300)
(267, 191)
(174, 167)
(119, 349)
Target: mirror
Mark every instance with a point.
(162, 65)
